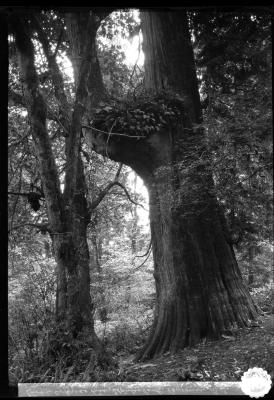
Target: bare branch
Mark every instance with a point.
(40, 227)
(118, 172)
(139, 266)
(135, 65)
(100, 196)
(104, 191)
(128, 195)
(112, 133)
(148, 250)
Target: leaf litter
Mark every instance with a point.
(225, 359)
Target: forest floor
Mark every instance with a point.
(225, 359)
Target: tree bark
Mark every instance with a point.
(169, 59)
(67, 212)
(200, 291)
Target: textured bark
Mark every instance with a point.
(200, 291)
(61, 285)
(169, 57)
(81, 218)
(67, 213)
(82, 28)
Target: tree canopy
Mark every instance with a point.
(195, 123)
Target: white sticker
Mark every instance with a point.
(256, 382)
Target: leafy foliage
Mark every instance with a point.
(143, 116)
(116, 30)
(233, 58)
(233, 55)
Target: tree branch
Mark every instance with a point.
(40, 227)
(118, 172)
(139, 266)
(148, 250)
(100, 197)
(113, 133)
(128, 195)
(103, 192)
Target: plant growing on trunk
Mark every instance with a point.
(200, 291)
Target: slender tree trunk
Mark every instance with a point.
(81, 218)
(67, 212)
(200, 291)
(82, 29)
(61, 286)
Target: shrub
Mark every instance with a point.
(263, 296)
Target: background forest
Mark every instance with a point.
(233, 65)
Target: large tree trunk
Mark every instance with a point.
(200, 291)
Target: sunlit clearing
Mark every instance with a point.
(133, 50)
(66, 65)
(131, 46)
(141, 189)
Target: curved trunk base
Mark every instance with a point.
(199, 287)
(171, 332)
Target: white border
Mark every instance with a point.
(128, 389)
